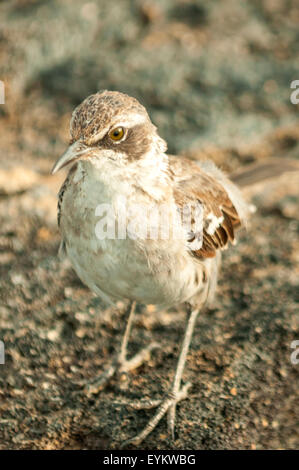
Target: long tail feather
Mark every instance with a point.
(258, 172)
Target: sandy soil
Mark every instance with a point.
(216, 80)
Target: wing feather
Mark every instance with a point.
(192, 184)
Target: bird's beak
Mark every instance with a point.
(74, 152)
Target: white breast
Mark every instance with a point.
(149, 271)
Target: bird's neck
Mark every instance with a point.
(148, 174)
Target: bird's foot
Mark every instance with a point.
(166, 405)
(120, 366)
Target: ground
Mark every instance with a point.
(216, 81)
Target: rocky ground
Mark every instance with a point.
(216, 80)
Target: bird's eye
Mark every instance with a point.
(117, 133)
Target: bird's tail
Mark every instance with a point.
(258, 172)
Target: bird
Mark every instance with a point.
(118, 162)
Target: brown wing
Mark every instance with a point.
(220, 217)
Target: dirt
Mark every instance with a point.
(216, 81)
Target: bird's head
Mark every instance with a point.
(113, 125)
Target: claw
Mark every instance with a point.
(170, 400)
(120, 367)
(99, 384)
(140, 404)
(171, 420)
(139, 358)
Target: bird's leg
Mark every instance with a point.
(122, 364)
(176, 394)
(180, 366)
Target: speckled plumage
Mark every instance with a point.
(140, 170)
(150, 271)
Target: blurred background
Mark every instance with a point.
(215, 78)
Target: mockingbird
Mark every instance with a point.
(116, 154)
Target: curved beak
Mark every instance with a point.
(74, 152)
